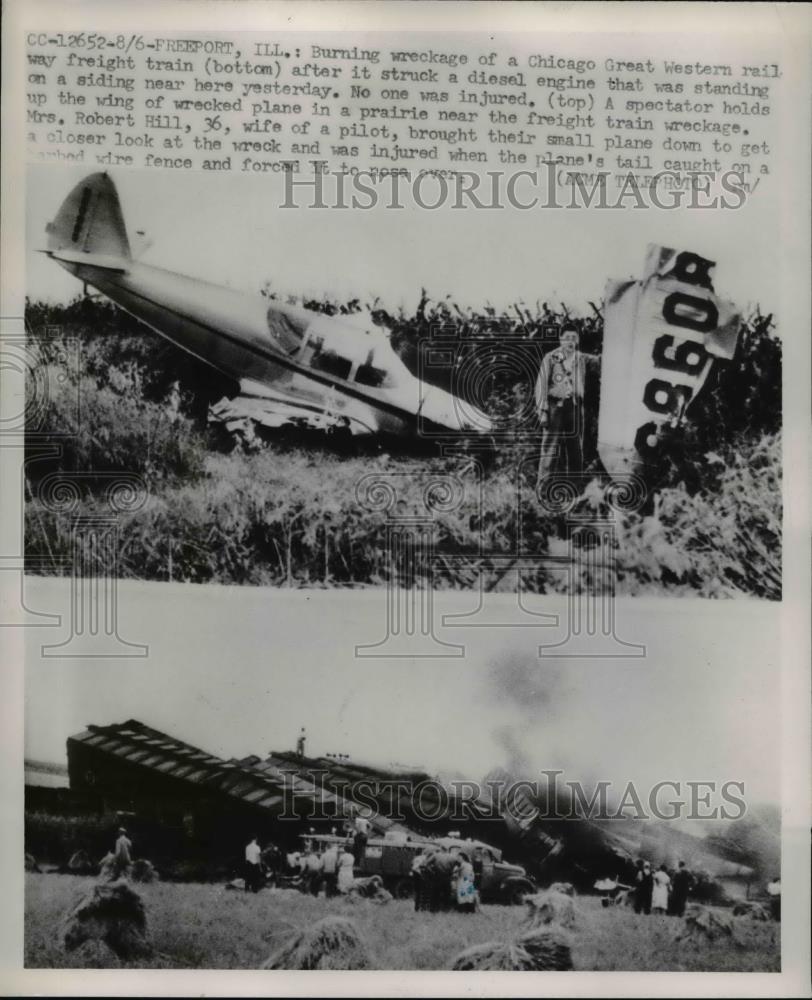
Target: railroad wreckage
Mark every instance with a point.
(206, 804)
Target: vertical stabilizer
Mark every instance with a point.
(90, 221)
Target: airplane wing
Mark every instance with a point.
(271, 410)
(280, 406)
(662, 335)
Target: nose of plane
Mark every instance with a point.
(445, 410)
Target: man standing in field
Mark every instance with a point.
(122, 854)
(359, 844)
(560, 405)
(774, 892)
(681, 886)
(271, 863)
(329, 868)
(312, 869)
(253, 868)
(420, 876)
(440, 869)
(644, 885)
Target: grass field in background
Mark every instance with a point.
(197, 926)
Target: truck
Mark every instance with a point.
(391, 858)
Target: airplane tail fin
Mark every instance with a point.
(89, 221)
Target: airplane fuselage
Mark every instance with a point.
(228, 330)
(303, 367)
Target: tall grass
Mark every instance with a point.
(290, 516)
(206, 927)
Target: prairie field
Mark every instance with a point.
(205, 926)
(119, 400)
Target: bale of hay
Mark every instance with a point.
(95, 954)
(108, 870)
(31, 863)
(366, 887)
(493, 956)
(371, 887)
(549, 907)
(535, 951)
(81, 864)
(143, 871)
(707, 923)
(755, 911)
(111, 912)
(330, 943)
(565, 888)
(548, 952)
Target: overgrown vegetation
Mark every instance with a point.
(53, 839)
(119, 399)
(205, 927)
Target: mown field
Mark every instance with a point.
(197, 926)
(119, 400)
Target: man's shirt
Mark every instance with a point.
(562, 377)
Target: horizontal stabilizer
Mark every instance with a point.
(104, 261)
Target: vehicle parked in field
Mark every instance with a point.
(391, 857)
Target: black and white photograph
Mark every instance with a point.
(275, 433)
(404, 550)
(502, 812)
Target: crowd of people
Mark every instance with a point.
(331, 871)
(662, 891)
(444, 879)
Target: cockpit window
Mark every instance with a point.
(284, 331)
(371, 376)
(347, 352)
(331, 362)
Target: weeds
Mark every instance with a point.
(290, 516)
(202, 926)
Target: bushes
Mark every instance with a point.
(718, 542)
(55, 838)
(113, 428)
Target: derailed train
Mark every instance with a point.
(182, 795)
